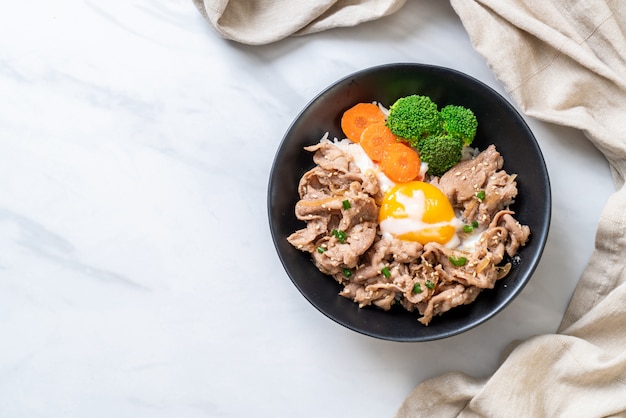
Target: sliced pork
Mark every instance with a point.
(338, 204)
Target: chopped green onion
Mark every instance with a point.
(346, 204)
(321, 249)
(470, 227)
(481, 195)
(385, 271)
(429, 284)
(347, 272)
(458, 261)
(417, 288)
(340, 235)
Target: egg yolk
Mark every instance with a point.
(417, 211)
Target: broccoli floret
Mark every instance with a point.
(441, 152)
(459, 122)
(413, 117)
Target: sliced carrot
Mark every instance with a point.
(374, 140)
(400, 163)
(359, 117)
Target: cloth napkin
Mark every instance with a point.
(256, 22)
(562, 61)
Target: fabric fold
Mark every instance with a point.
(257, 22)
(446, 396)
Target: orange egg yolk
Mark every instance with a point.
(417, 211)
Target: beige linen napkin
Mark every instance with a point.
(258, 22)
(562, 61)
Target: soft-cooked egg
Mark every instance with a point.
(419, 211)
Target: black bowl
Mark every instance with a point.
(499, 124)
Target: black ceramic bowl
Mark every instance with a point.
(499, 124)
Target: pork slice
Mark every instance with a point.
(404, 251)
(382, 298)
(305, 239)
(401, 251)
(479, 270)
(517, 234)
(362, 208)
(319, 183)
(482, 174)
(462, 181)
(447, 299)
(500, 191)
(382, 292)
(331, 158)
(338, 255)
(334, 172)
(318, 215)
(383, 275)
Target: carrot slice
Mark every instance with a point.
(359, 117)
(400, 163)
(375, 139)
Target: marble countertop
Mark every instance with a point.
(135, 150)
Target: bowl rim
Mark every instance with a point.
(534, 258)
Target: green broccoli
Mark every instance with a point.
(459, 122)
(441, 152)
(414, 117)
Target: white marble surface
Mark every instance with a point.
(137, 273)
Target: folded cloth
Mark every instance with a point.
(563, 61)
(264, 21)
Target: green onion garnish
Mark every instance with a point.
(347, 272)
(346, 204)
(429, 284)
(470, 227)
(321, 249)
(340, 235)
(417, 288)
(385, 271)
(458, 261)
(481, 195)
